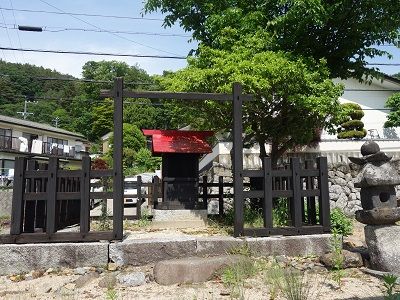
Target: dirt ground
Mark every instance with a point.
(98, 283)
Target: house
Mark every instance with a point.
(31, 139)
(372, 99)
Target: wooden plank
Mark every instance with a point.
(253, 194)
(322, 165)
(267, 182)
(30, 206)
(205, 192)
(155, 191)
(51, 197)
(282, 193)
(139, 197)
(103, 195)
(118, 180)
(220, 195)
(253, 173)
(281, 173)
(101, 173)
(85, 196)
(296, 199)
(286, 231)
(308, 172)
(183, 96)
(237, 163)
(36, 174)
(58, 237)
(18, 195)
(310, 193)
(69, 173)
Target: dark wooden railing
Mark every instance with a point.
(305, 190)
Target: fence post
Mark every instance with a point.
(311, 208)
(221, 195)
(237, 162)
(296, 201)
(51, 197)
(85, 196)
(267, 207)
(139, 197)
(155, 191)
(18, 195)
(324, 202)
(204, 185)
(29, 216)
(118, 180)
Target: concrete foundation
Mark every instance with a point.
(182, 218)
(136, 250)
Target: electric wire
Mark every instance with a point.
(85, 14)
(114, 34)
(62, 29)
(19, 39)
(8, 35)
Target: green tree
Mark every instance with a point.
(294, 97)
(393, 118)
(344, 32)
(133, 141)
(352, 127)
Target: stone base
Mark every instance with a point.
(15, 259)
(384, 247)
(381, 216)
(182, 218)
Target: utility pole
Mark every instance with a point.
(25, 113)
(56, 120)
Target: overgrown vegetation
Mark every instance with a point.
(340, 223)
(234, 276)
(337, 258)
(389, 282)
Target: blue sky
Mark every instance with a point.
(89, 41)
(99, 42)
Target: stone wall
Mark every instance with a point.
(5, 202)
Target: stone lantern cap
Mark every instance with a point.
(377, 169)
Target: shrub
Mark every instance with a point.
(352, 127)
(340, 223)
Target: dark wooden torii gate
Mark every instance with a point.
(118, 94)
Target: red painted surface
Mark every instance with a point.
(179, 141)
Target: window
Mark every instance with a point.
(5, 167)
(5, 132)
(5, 138)
(57, 141)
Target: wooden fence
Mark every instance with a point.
(47, 200)
(304, 189)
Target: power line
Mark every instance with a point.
(19, 39)
(61, 29)
(75, 79)
(8, 35)
(114, 34)
(84, 14)
(383, 64)
(92, 53)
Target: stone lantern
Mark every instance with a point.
(377, 181)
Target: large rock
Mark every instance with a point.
(132, 279)
(191, 269)
(384, 247)
(144, 251)
(350, 259)
(376, 174)
(24, 258)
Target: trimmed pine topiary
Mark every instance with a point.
(352, 126)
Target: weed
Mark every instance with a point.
(280, 212)
(111, 294)
(233, 276)
(294, 284)
(337, 257)
(144, 220)
(340, 223)
(243, 249)
(389, 281)
(104, 219)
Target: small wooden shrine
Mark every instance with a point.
(180, 151)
